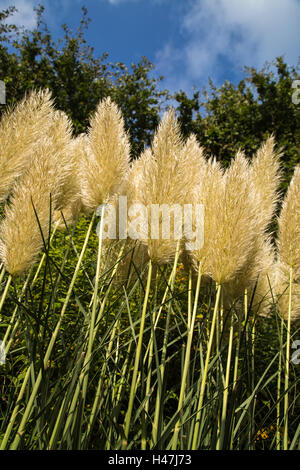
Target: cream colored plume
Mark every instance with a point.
(134, 183)
(161, 177)
(134, 254)
(106, 159)
(281, 288)
(205, 192)
(288, 249)
(288, 255)
(264, 175)
(131, 255)
(176, 164)
(21, 128)
(289, 225)
(50, 166)
(261, 280)
(60, 133)
(229, 220)
(72, 205)
(257, 276)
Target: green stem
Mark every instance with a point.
(2, 272)
(235, 372)
(162, 366)
(203, 382)
(187, 359)
(149, 374)
(278, 437)
(137, 360)
(287, 366)
(220, 440)
(34, 392)
(99, 387)
(8, 282)
(87, 359)
(15, 411)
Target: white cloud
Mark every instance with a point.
(25, 15)
(117, 2)
(247, 32)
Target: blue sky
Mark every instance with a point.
(187, 40)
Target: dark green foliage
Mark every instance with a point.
(77, 78)
(241, 117)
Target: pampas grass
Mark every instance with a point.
(106, 158)
(264, 176)
(72, 205)
(229, 222)
(21, 129)
(235, 248)
(288, 282)
(288, 245)
(289, 225)
(160, 177)
(40, 190)
(135, 373)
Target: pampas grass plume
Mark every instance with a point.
(21, 128)
(229, 220)
(50, 165)
(161, 176)
(288, 245)
(72, 204)
(106, 160)
(264, 175)
(289, 224)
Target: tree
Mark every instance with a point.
(232, 117)
(141, 100)
(186, 109)
(78, 79)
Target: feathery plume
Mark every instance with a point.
(289, 225)
(50, 165)
(72, 205)
(229, 221)
(264, 175)
(205, 192)
(159, 182)
(106, 158)
(233, 222)
(281, 289)
(135, 255)
(288, 247)
(21, 128)
(257, 276)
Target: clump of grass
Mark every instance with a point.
(21, 129)
(264, 176)
(106, 158)
(27, 217)
(159, 178)
(288, 249)
(72, 206)
(107, 348)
